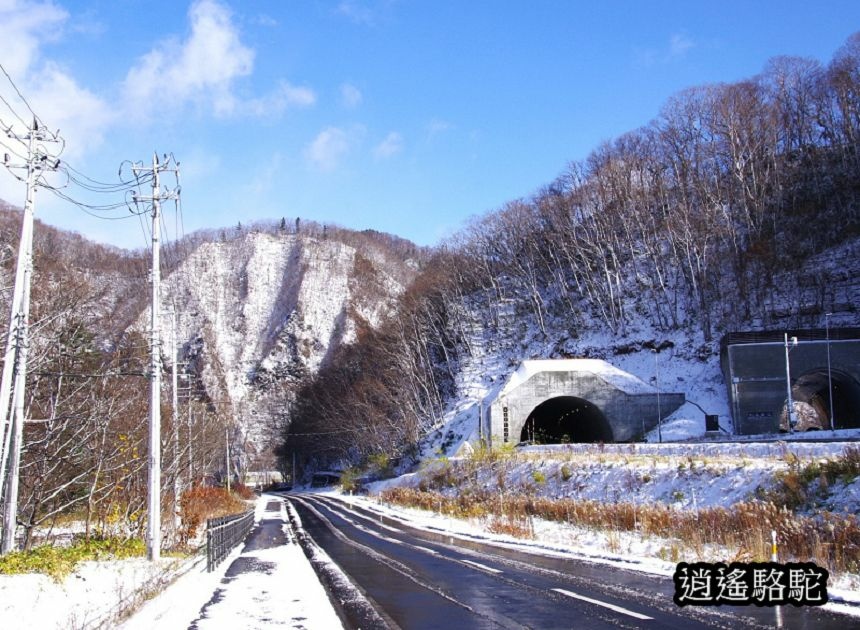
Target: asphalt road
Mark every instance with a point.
(417, 579)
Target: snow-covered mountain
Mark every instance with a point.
(258, 310)
(257, 314)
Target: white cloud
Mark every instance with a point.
(24, 26)
(679, 44)
(81, 116)
(286, 95)
(265, 20)
(357, 12)
(202, 69)
(391, 145)
(436, 127)
(55, 96)
(350, 96)
(326, 150)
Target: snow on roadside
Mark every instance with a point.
(281, 589)
(96, 594)
(101, 594)
(354, 604)
(625, 550)
(685, 476)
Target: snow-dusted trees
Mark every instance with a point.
(682, 223)
(381, 393)
(686, 220)
(85, 439)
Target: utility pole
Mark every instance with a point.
(15, 363)
(657, 383)
(190, 421)
(227, 455)
(175, 405)
(829, 373)
(153, 532)
(790, 402)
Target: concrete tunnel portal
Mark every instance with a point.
(565, 419)
(814, 387)
(553, 401)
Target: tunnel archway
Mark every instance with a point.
(566, 419)
(811, 397)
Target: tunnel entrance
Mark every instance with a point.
(811, 401)
(566, 419)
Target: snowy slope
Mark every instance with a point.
(258, 314)
(498, 345)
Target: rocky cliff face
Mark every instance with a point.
(257, 314)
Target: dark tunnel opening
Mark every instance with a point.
(566, 419)
(811, 397)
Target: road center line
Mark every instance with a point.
(597, 602)
(478, 565)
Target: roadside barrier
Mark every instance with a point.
(223, 534)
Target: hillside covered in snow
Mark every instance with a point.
(258, 315)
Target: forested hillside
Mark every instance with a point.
(259, 308)
(738, 207)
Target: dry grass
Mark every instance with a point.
(201, 503)
(801, 482)
(519, 528)
(830, 540)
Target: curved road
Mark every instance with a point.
(423, 579)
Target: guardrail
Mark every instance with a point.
(223, 534)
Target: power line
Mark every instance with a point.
(13, 150)
(21, 96)
(12, 109)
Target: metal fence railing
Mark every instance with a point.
(223, 534)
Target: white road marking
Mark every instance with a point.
(330, 505)
(597, 602)
(427, 549)
(480, 566)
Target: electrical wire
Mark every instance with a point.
(13, 151)
(21, 96)
(90, 209)
(14, 113)
(144, 229)
(96, 185)
(8, 129)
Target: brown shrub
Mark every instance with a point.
(244, 492)
(201, 503)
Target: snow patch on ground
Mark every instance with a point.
(100, 594)
(621, 549)
(96, 593)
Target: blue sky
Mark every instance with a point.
(402, 116)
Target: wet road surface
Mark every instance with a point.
(418, 579)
